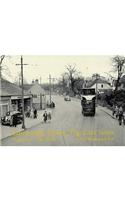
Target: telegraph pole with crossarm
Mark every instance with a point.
(50, 95)
(22, 64)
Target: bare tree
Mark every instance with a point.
(119, 67)
(4, 70)
(63, 82)
(78, 84)
(18, 79)
(1, 66)
(71, 73)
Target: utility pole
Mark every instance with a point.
(40, 94)
(40, 81)
(50, 87)
(53, 83)
(19, 80)
(22, 64)
(97, 76)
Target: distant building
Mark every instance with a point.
(38, 94)
(11, 99)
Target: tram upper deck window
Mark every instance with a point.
(88, 91)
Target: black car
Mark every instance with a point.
(67, 98)
(8, 119)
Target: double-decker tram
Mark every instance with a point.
(88, 101)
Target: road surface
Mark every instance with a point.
(69, 127)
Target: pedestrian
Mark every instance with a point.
(120, 115)
(116, 111)
(53, 105)
(49, 116)
(14, 120)
(31, 113)
(124, 117)
(45, 116)
(35, 113)
(120, 109)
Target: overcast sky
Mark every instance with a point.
(42, 66)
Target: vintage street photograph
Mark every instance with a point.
(62, 100)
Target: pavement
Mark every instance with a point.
(107, 111)
(7, 131)
(69, 127)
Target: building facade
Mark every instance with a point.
(11, 99)
(39, 96)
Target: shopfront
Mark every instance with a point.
(16, 102)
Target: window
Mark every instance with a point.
(102, 86)
(88, 91)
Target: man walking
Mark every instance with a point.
(14, 120)
(120, 115)
(45, 116)
(35, 113)
(49, 116)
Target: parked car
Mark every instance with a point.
(67, 98)
(7, 119)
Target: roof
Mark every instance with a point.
(9, 89)
(27, 86)
(90, 84)
(36, 89)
